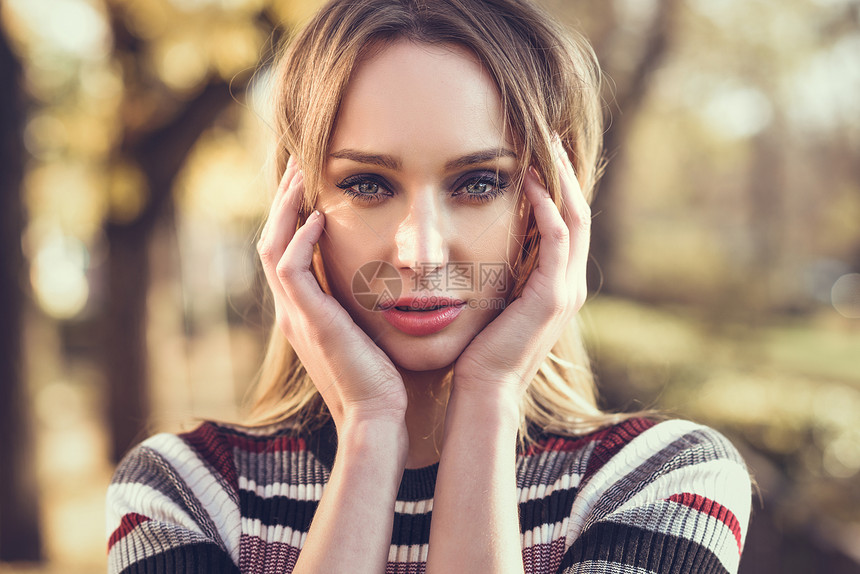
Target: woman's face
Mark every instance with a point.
(422, 216)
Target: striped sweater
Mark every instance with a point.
(634, 498)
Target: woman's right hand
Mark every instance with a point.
(356, 379)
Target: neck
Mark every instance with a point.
(425, 414)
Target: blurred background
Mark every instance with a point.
(134, 175)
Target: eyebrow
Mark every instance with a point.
(394, 164)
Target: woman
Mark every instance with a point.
(426, 251)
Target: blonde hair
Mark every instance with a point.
(549, 82)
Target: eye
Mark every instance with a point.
(364, 188)
(481, 187)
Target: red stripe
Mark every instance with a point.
(606, 437)
(558, 444)
(613, 440)
(711, 508)
(128, 523)
(209, 438)
(544, 556)
(211, 446)
(217, 447)
(276, 556)
(405, 567)
(267, 444)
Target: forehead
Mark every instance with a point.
(406, 93)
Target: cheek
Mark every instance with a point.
(493, 239)
(352, 226)
(341, 253)
(493, 235)
(351, 239)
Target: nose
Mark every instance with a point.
(420, 239)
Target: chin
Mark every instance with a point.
(422, 354)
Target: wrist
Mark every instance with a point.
(391, 413)
(491, 392)
(373, 439)
(493, 410)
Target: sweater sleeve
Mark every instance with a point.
(170, 511)
(675, 498)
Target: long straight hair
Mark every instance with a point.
(549, 83)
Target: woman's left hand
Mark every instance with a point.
(507, 353)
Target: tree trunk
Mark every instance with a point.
(160, 149)
(629, 95)
(160, 154)
(125, 341)
(19, 513)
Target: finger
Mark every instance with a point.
(555, 237)
(281, 224)
(283, 197)
(577, 217)
(294, 268)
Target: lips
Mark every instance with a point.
(420, 316)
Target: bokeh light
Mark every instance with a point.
(846, 295)
(58, 275)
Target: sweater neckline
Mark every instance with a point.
(418, 483)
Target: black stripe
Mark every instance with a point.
(198, 558)
(632, 546)
(547, 510)
(411, 529)
(418, 483)
(278, 510)
(297, 514)
(408, 528)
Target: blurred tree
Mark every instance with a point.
(161, 123)
(156, 145)
(631, 84)
(19, 513)
(631, 42)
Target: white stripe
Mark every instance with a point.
(410, 553)
(304, 492)
(544, 534)
(153, 540)
(222, 509)
(601, 566)
(124, 498)
(722, 481)
(538, 491)
(314, 492)
(413, 507)
(273, 534)
(625, 461)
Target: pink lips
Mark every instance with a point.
(422, 316)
